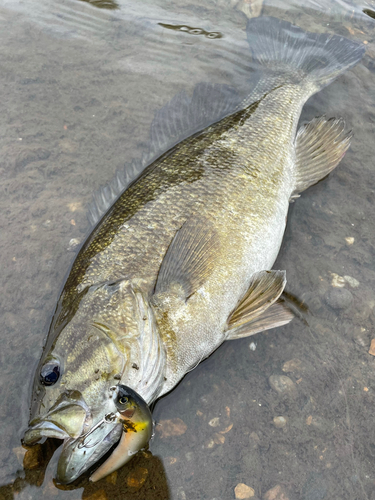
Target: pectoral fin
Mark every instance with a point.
(320, 145)
(190, 257)
(260, 308)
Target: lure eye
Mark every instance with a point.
(123, 400)
(50, 373)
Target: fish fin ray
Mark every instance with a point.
(180, 118)
(320, 145)
(277, 314)
(265, 288)
(282, 47)
(190, 257)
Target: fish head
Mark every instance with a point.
(111, 337)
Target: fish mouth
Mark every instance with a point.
(87, 435)
(78, 453)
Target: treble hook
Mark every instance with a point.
(107, 419)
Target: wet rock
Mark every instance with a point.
(214, 422)
(372, 348)
(73, 244)
(276, 493)
(361, 337)
(219, 438)
(98, 495)
(293, 365)
(337, 280)
(283, 385)
(181, 495)
(33, 457)
(112, 478)
(242, 491)
(137, 478)
(171, 427)
(279, 422)
(352, 281)
(252, 346)
(339, 298)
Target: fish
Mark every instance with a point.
(182, 261)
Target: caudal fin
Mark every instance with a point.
(283, 47)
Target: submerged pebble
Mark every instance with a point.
(339, 298)
(276, 493)
(137, 478)
(171, 427)
(242, 491)
(293, 365)
(279, 422)
(98, 495)
(283, 385)
(73, 244)
(372, 348)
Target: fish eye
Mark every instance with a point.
(123, 400)
(50, 373)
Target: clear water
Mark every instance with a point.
(79, 87)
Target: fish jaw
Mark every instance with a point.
(69, 417)
(86, 438)
(78, 455)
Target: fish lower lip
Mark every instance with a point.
(43, 429)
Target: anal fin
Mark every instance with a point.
(260, 308)
(320, 145)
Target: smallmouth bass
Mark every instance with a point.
(182, 261)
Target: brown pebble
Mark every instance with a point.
(293, 365)
(219, 438)
(137, 478)
(279, 422)
(112, 478)
(242, 491)
(372, 348)
(309, 420)
(276, 493)
(98, 495)
(227, 429)
(33, 457)
(283, 385)
(172, 427)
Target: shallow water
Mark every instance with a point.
(79, 88)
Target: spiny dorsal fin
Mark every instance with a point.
(265, 288)
(178, 119)
(190, 257)
(278, 314)
(320, 145)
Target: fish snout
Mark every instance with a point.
(62, 422)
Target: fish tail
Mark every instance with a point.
(316, 58)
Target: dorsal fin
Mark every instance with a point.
(180, 118)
